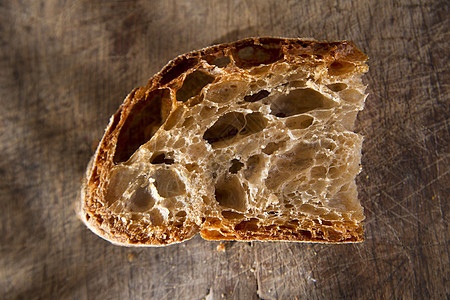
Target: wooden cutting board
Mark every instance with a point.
(65, 67)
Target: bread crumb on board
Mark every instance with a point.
(221, 247)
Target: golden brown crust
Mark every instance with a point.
(161, 87)
(316, 231)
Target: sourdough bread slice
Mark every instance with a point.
(250, 140)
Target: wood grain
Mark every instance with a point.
(65, 67)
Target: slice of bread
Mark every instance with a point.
(247, 141)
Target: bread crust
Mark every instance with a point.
(96, 215)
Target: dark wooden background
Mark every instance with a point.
(65, 67)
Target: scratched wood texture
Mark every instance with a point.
(65, 67)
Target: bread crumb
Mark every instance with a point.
(263, 139)
(221, 247)
(131, 257)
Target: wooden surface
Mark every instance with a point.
(65, 67)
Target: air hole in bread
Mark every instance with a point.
(254, 122)
(248, 225)
(312, 210)
(248, 56)
(287, 227)
(299, 122)
(120, 179)
(188, 122)
(207, 111)
(225, 128)
(335, 172)
(193, 84)
(146, 118)
(180, 218)
(160, 158)
(156, 217)
(168, 183)
(195, 100)
(179, 143)
(174, 117)
(273, 146)
(231, 215)
(340, 68)
(256, 97)
(236, 166)
(352, 96)
(297, 84)
(225, 91)
(230, 193)
(331, 216)
(330, 146)
(270, 43)
(306, 234)
(318, 172)
(140, 200)
(327, 223)
(288, 164)
(180, 214)
(298, 75)
(254, 166)
(172, 72)
(221, 61)
(260, 70)
(169, 203)
(191, 167)
(337, 87)
(299, 101)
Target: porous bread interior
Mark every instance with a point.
(267, 148)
